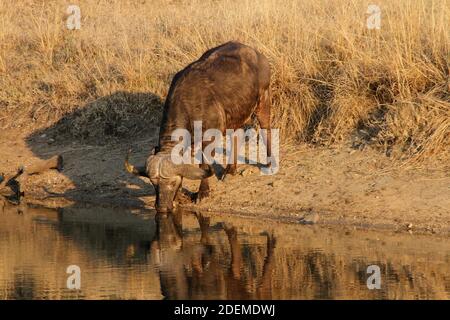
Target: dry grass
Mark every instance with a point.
(333, 79)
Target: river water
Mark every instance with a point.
(132, 254)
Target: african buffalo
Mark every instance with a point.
(223, 89)
(218, 263)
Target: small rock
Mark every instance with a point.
(309, 218)
(246, 172)
(430, 229)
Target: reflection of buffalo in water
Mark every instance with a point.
(183, 255)
(206, 267)
(190, 265)
(211, 261)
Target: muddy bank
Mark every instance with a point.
(338, 186)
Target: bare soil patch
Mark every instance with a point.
(341, 185)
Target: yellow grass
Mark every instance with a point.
(333, 79)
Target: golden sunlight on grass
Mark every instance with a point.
(334, 80)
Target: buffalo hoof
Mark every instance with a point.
(230, 230)
(271, 241)
(203, 221)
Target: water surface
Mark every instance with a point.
(132, 254)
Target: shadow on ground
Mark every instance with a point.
(93, 141)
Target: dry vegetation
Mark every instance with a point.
(333, 79)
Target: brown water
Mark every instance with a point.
(125, 254)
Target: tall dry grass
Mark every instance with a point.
(333, 79)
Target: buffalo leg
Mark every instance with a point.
(232, 167)
(200, 256)
(263, 116)
(203, 191)
(236, 254)
(265, 289)
(203, 223)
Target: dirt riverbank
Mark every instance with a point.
(340, 186)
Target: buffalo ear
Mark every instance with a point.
(192, 172)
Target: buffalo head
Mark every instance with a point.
(166, 177)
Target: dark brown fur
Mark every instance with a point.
(223, 89)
